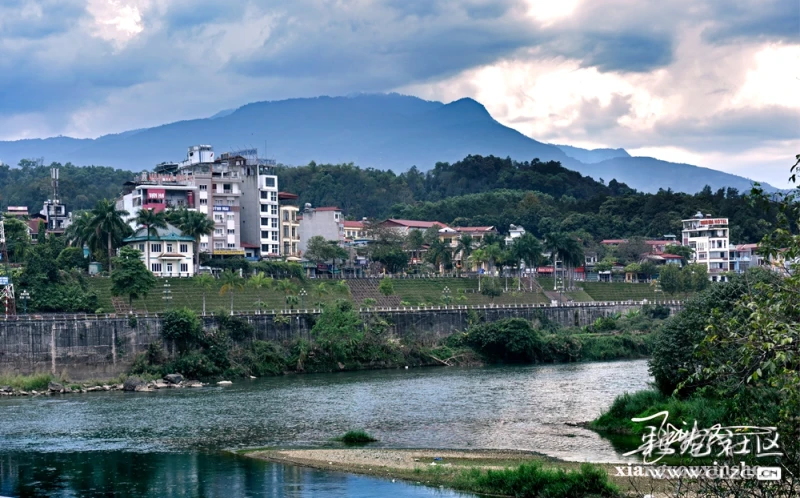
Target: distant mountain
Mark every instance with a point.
(592, 156)
(385, 131)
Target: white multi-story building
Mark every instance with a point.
(170, 253)
(709, 239)
(237, 190)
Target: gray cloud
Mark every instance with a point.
(762, 19)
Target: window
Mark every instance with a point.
(218, 201)
(231, 246)
(275, 235)
(184, 248)
(265, 248)
(294, 232)
(274, 222)
(264, 222)
(264, 195)
(217, 217)
(273, 196)
(141, 247)
(231, 202)
(169, 268)
(218, 245)
(285, 232)
(231, 217)
(184, 268)
(286, 216)
(274, 210)
(336, 216)
(270, 181)
(169, 247)
(155, 248)
(203, 246)
(265, 208)
(204, 187)
(218, 232)
(264, 234)
(155, 267)
(204, 202)
(274, 248)
(231, 231)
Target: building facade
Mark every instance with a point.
(326, 222)
(170, 253)
(290, 226)
(237, 190)
(709, 239)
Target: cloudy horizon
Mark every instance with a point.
(709, 82)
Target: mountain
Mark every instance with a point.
(385, 131)
(592, 156)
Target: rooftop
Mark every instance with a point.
(171, 233)
(415, 223)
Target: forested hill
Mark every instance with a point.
(542, 197)
(80, 186)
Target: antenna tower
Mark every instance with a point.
(54, 183)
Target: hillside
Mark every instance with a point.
(392, 132)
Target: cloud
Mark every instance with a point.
(698, 78)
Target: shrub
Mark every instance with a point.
(237, 328)
(356, 437)
(338, 330)
(530, 479)
(386, 287)
(511, 340)
(657, 312)
(183, 327)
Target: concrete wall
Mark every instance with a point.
(86, 348)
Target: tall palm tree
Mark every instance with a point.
(260, 281)
(193, 224)
(528, 249)
(565, 248)
(80, 231)
(464, 246)
(151, 221)
(287, 287)
(231, 282)
(107, 222)
(439, 255)
(205, 282)
(478, 257)
(494, 252)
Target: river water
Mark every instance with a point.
(170, 442)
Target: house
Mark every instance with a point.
(514, 232)
(743, 256)
(171, 253)
(354, 230)
(290, 226)
(709, 239)
(326, 222)
(405, 226)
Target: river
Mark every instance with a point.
(170, 442)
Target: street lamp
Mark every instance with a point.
(167, 294)
(303, 295)
(446, 295)
(25, 295)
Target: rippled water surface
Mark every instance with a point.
(499, 407)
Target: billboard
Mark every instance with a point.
(222, 208)
(229, 252)
(156, 193)
(714, 221)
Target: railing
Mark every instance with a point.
(375, 309)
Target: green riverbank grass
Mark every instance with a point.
(35, 382)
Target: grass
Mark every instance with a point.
(621, 291)
(462, 291)
(356, 437)
(35, 382)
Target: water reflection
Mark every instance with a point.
(94, 474)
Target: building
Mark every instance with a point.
(656, 246)
(708, 237)
(403, 227)
(290, 226)
(56, 216)
(18, 212)
(237, 190)
(354, 230)
(171, 253)
(326, 222)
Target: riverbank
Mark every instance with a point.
(456, 469)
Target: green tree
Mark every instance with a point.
(631, 251)
(18, 239)
(670, 279)
(132, 278)
(386, 287)
(439, 255)
(193, 224)
(464, 247)
(685, 252)
(205, 282)
(478, 257)
(694, 277)
(231, 282)
(528, 249)
(151, 220)
(41, 232)
(183, 328)
(108, 224)
(72, 258)
(338, 330)
(491, 289)
(80, 232)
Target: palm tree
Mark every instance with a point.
(205, 282)
(80, 231)
(193, 224)
(151, 221)
(478, 257)
(286, 286)
(321, 289)
(260, 281)
(231, 282)
(564, 248)
(493, 253)
(528, 249)
(107, 221)
(464, 246)
(291, 300)
(439, 255)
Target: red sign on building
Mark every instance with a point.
(156, 193)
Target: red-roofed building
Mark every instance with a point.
(353, 230)
(405, 226)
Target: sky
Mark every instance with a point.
(714, 83)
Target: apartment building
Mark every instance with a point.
(237, 190)
(709, 239)
(327, 222)
(290, 226)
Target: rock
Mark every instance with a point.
(252, 377)
(95, 389)
(6, 389)
(35, 393)
(142, 388)
(224, 383)
(67, 390)
(106, 387)
(174, 378)
(132, 383)
(22, 393)
(193, 383)
(55, 387)
(160, 384)
(340, 365)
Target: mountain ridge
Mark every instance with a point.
(384, 131)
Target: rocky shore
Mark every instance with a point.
(131, 384)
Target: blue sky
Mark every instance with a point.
(709, 82)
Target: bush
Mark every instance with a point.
(511, 340)
(237, 328)
(657, 312)
(35, 382)
(183, 327)
(356, 437)
(530, 479)
(386, 287)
